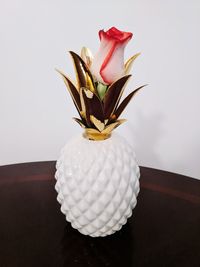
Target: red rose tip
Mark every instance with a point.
(117, 35)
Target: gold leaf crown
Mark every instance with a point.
(99, 115)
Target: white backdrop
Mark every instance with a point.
(36, 110)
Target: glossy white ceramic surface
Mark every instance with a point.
(97, 184)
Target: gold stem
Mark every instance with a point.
(96, 136)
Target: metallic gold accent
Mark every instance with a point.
(83, 75)
(87, 56)
(97, 123)
(83, 108)
(112, 126)
(66, 79)
(88, 93)
(125, 102)
(89, 83)
(80, 122)
(83, 114)
(95, 135)
(129, 63)
(98, 116)
(113, 95)
(113, 117)
(93, 105)
(72, 90)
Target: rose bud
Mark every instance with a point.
(108, 64)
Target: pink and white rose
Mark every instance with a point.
(108, 64)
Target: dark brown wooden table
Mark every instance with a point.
(163, 231)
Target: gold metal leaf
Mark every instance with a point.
(92, 131)
(83, 75)
(113, 95)
(113, 117)
(112, 126)
(93, 105)
(80, 122)
(125, 102)
(129, 63)
(72, 90)
(83, 106)
(88, 93)
(97, 123)
(83, 115)
(93, 134)
(87, 56)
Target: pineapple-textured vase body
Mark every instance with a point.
(97, 184)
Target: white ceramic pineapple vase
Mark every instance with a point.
(97, 184)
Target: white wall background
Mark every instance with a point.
(35, 109)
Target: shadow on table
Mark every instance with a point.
(80, 250)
